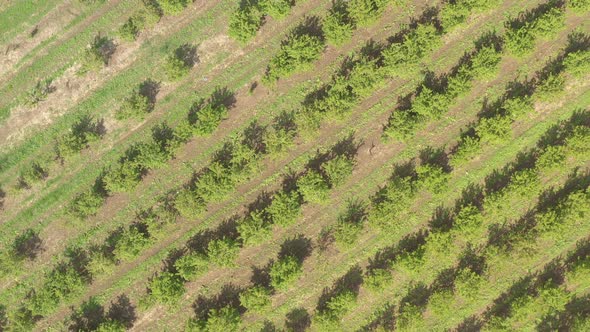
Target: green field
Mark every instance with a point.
(295, 165)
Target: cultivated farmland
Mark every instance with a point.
(295, 165)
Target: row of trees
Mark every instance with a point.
(141, 157)
(435, 95)
(498, 116)
(544, 20)
(300, 48)
(283, 208)
(250, 15)
(467, 220)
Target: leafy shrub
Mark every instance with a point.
(284, 272)
(297, 52)
(337, 25)
(223, 252)
(430, 104)
(215, 182)
(59, 284)
(207, 118)
(256, 298)
(32, 174)
(365, 12)
(518, 106)
(173, 7)
(484, 63)
(276, 8)
(456, 12)
(579, 6)
(135, 106)
(401, 125)
(335, 309)
(377, 279)
(166, 288)
(180, 62)
(496, 129)
(468, 146)
(97, 54)
(86, 204)
(577, 63)
(137, 160)
(350, 224)
(391, 200)
(550, 22)
(550, 87)
(313, 187)
(525, 182)
(278, 140)
(148, 16)
(468, 219)
(285, 208)
(244, 23)
(254, 229)
(338, 170)
(188, 204)
(111, 325)
(191, 265)
(346, 233)
(224, 319)
(432, 177)
(519, 41)
(401, 58)
(131, 242)
(39, 92)
(364, 76)
(551, 157)
(82, 133)
(579, 141)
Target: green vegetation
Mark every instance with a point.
(155, 199)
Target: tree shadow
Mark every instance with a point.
(576, 181)
(442, 219)
(351, 281)
(564, 320)
(577, 41)
(528, 16)
(501, 307)
(383, 319)
(408, 244)
(122, 310)
(88, 317)
(311, 25)
(297, 246)
(149, 89)
(473, 261)
(227, 229)
(261, 275)
(435, 156)
(228, 296)
(254, 137)
(473, 194)
(187, 53)
(470, 324)
(28, 244)
(223, 96)
(298, 320)
(417, 296)
(505, 236)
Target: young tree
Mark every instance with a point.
(255, 298)
(338, 170)
(223, 252)
(284, 272)
(285, 208)
(254, 229)
(167, 288)
(337, 25)
(191, 265)
(313, 187)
